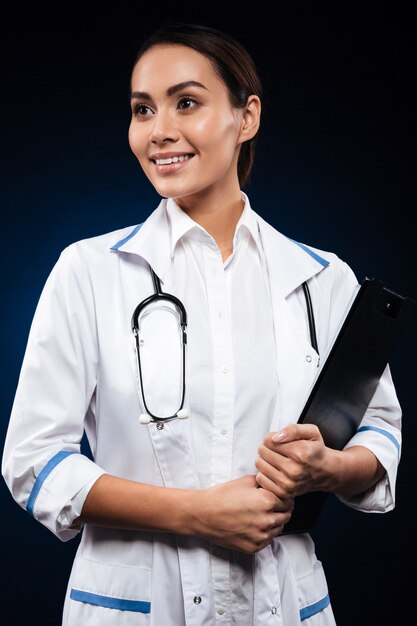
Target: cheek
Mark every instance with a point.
(135, 140)
(215, 133)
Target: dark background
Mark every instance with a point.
(335, 168)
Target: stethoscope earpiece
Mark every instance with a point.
(145, 418)
(182, 414)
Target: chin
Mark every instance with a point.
(176, 189)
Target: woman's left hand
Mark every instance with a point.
(296, 461)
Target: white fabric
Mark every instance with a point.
(230, 335)
(250, 367)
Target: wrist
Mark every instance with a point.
(191, 512)
(333, 470)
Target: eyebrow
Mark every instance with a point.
(170, 91)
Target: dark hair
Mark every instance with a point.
(232, 63)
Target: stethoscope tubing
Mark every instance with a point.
(158, 296)
(310, 315)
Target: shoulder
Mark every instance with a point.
(96, 248)
(102, 243)
(337, 281)
(300, 260)
(337, 268)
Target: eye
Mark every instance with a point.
(187, 103)
(140, 110)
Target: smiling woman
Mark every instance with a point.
(182, 519)
(184, 110)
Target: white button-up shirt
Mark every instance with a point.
(231, 380)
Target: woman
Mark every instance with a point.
(182, 520)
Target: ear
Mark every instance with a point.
(251, 119)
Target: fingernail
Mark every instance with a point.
(279, 436)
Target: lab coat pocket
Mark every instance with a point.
(107, 594)
(313, 598)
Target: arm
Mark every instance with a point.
(235, 514)
(362, 475)
(42, 462)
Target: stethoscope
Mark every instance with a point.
(158, 296)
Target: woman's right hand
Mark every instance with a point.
(239, 515)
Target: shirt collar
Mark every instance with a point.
(182, 224)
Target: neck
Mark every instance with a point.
(217, 213)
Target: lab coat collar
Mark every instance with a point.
(151, 241)
(290, 263)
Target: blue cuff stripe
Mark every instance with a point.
(110, 603)
(309, 611)
(60, 456)
(382, 432)
(313, 254)
(126, 239)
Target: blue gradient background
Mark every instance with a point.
(335, 168)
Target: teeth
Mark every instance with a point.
(172, 160)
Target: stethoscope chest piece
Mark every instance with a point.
(145, 418)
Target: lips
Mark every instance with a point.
(181, 161)
(158, 156)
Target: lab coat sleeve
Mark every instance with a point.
(42, 464)
(380, 428)
(380, 432)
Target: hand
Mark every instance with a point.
(239, 516)
(296, 461)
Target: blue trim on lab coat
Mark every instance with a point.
(60, 456)
(382, 432)
(109, 602)
(312, 609)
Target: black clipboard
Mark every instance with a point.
(349, 377)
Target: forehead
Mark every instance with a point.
(164, 65)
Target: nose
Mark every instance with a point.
(163, 128)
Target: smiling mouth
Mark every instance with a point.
(175, 159)
(171, 164)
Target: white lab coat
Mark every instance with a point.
(80, 371)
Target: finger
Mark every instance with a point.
(293, 432)
(289, 477)
(278, 468)
(274, 457)
(280, 520)
(271, 471)
(276, 488)
(279, 455)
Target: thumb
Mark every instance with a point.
(294, 432)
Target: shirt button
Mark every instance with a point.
(308, 358)
(197, 600)
(220, 610)
(160, 426)
(274, 610)
(223, 431)
(225, 369)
